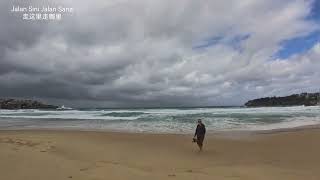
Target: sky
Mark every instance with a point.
(161, 53)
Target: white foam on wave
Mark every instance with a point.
(288, 124)
(164, 120)
(70, 114)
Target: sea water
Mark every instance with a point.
(162, 120)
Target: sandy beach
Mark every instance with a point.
(55, 155)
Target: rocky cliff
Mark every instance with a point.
(24, 104)
(307, 99)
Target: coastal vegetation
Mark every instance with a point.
(24, 104)
(306, 99)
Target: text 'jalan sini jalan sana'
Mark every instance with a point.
(41, 12)
(48, 9)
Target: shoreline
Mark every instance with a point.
(219, 133)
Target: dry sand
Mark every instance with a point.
(55, 155)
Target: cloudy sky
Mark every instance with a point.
(121, 53)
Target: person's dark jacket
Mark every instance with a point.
(200, 131)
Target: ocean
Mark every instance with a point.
(162, 120)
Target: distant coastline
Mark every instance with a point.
(303, 99)
(24, 104)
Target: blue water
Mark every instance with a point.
(166, 120)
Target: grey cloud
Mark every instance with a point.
(141, 53)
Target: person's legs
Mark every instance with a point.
(200, 142)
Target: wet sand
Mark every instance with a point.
(55, 155)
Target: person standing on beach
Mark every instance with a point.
(200, 133)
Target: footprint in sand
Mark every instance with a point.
(104, 163)
(84, 169)
(19, 142)
(37, 145)
(98, 164)
(15, 149)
